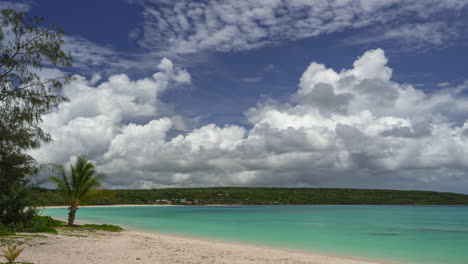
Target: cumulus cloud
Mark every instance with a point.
(349, 128)
(189, 27)
(97, 114)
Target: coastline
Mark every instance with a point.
(131, 246)
(110, 205)
(188, 248)
(136, 205)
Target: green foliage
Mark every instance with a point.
(26, 46)
(105, 227)
(37, 224)
(11, 253)
(6, 233)
(43, 224)
(14, 202)
(77, 186)
(250, 196)
(40, 229)
(50, 222)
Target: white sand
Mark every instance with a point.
(139, 247)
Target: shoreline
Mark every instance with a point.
(131, 246)
(110, 205)
(134, 205)
(295, 255)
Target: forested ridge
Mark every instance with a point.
(251, 196)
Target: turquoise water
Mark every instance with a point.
(409, 234)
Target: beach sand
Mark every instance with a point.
(128, 247)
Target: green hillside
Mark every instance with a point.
(250, 196)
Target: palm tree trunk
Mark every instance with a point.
(71, 214)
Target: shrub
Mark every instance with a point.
(41, 224)
(50, 222)
(109, 228)
(6, 233)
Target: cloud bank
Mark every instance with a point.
(349, 128)
(182, 27)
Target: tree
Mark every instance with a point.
(77, 186)
(26, 47)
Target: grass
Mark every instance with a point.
(108, 228)
(87, 230)
(18, 239)
(16, 263)
(52, 226)
(6, 233)
(51, 222)
(10, 241)
(44, 224)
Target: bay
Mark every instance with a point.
(408, 234)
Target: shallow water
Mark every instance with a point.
(411, 234)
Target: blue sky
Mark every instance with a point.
(239, 76)
(220, 77)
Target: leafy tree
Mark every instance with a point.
(26, 46)
(76, 187)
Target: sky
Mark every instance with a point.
(276, 93)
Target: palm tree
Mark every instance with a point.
(77, 186)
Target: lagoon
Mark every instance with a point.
(408, 234)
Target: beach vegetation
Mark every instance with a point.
(38, 224)
(27, 45)
(51, 222)
(104, 227)
(76, 186)
(11, 253)
(6, 233)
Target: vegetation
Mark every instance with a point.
(39, 224)
(11, 253)
(6, 233)
(76, 187)
(105, 227)
(250, 196)
(26, 46)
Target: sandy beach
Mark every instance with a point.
(76, 247)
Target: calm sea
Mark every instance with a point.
(410, 234)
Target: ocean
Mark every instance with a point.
(407, 234)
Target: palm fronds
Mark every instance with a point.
(77, 186)
(11, 253)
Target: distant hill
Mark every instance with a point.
(251, 196)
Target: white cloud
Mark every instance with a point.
(251, 79)
(413, 36)
(96, 115)
(87, 54)
(23, 7)
(188, 27)
(90, 57)
(443, 84)
(351, 128)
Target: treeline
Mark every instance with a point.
(251, 196)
